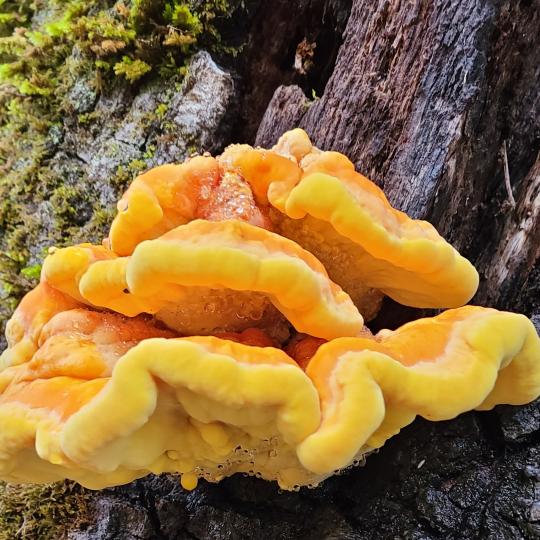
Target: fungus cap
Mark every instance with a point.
(171, 195)
(347, 222)
(24, 327)
(315, 198)
(178, 274)
(159, 200)
(209, 407)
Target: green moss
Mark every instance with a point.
(161, 110)
(65, 201)
(136, 166)
(126, 173)
(62, 24)
(132, 70)
(43, 511)
(149, 153)
(32, 272)
(13, 13)
(103, 34)
(87, 118)
(180, 16)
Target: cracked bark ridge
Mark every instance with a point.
(289, 104)
(422, 97)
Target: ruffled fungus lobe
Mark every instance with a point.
(24, 327)
(209, 407)
(172, 195)
(346, 221)
(198, 340)
(314, 198)
(238, 270)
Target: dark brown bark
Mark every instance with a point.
(277, 30)
(289, 104)
(422, 98)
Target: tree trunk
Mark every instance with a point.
(429, 99)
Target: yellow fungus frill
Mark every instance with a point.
(318, 200)
(347, 222)
(209, 407)
(239, 270)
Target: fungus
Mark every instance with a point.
(209, 407)
(169, 348)
(172, 195)
(24, 327)
(367, 246)
(206, 277)
(465, 358)
(314, 198)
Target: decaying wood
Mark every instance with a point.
(422, 97)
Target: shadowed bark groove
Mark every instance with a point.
(278, 29)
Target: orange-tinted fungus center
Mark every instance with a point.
(254, 337)
(231, 198)
(302, 349)
(261, 168)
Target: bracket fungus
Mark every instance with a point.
(366, 246)
(220, 329)
(242, 270)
